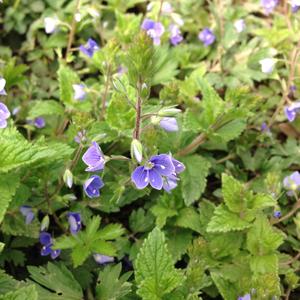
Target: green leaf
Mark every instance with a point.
(264, 264)
(225, 287)
(230, 130)
(16, 151)
(112, 286)
(8, 283)
(66, 77)
(79, 254)
(44, 108)
(28, 293)
(155, 273)
(234, 193)
(165, 68)
(57, 278)
(189, 218)
(8, 187)
(269, 238)
(194, 178)
(103, 247)
(224, 220)
(140, 221)
(212, 104)
(162, 212)
(110, 232)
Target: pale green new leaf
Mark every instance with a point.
(155, 273)
(25, 293)
(234, 193)
(224, 220)
(225, 287)
(194, 178)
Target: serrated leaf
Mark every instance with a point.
(79, 254)
(212, 103)
(155, 273)
(162, 213)
(8, 187)
(225, 287)
(189, 218)
(264, 264)
(57, 278)
(224, 220)
(233, 193)
(27, 292)
(66, 78)
(194, 178)
(230, 130)
(44, 108)
(110, 232)
(112, 286)
(269, 238)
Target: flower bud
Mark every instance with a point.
(168, 112)
(145, 91)
(68, 178)
(45, 223)
(119, 85)
(137, 150)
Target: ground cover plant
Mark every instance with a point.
(149, 149)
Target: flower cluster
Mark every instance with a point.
(156, 29)
(160, 171)
(94, 159)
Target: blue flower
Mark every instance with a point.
(207, 37)
(46, 241)
(292, 182)
(27, 212)
(277, 214)
(4, 115)
(103, 259)
(246, 297)
(269, 5)
(79, 91)
(169, 124)
(175, 37)
(239, 25)
(89, 48)
(74, 220)
(92, 186)
(292, 110)
(94, 158)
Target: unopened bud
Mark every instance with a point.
(119, 85)
(169, 112)
(45, 223)
(137, 150)
(145, 91)
(68, 178)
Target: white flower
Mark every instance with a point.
(239, 25)
(267, 65)
(77, 17)
(166, 8)
(295, 2)
(2, 86)
(50, 24)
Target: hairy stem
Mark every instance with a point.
(73, 28)
(105, 94)
(138, 108)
